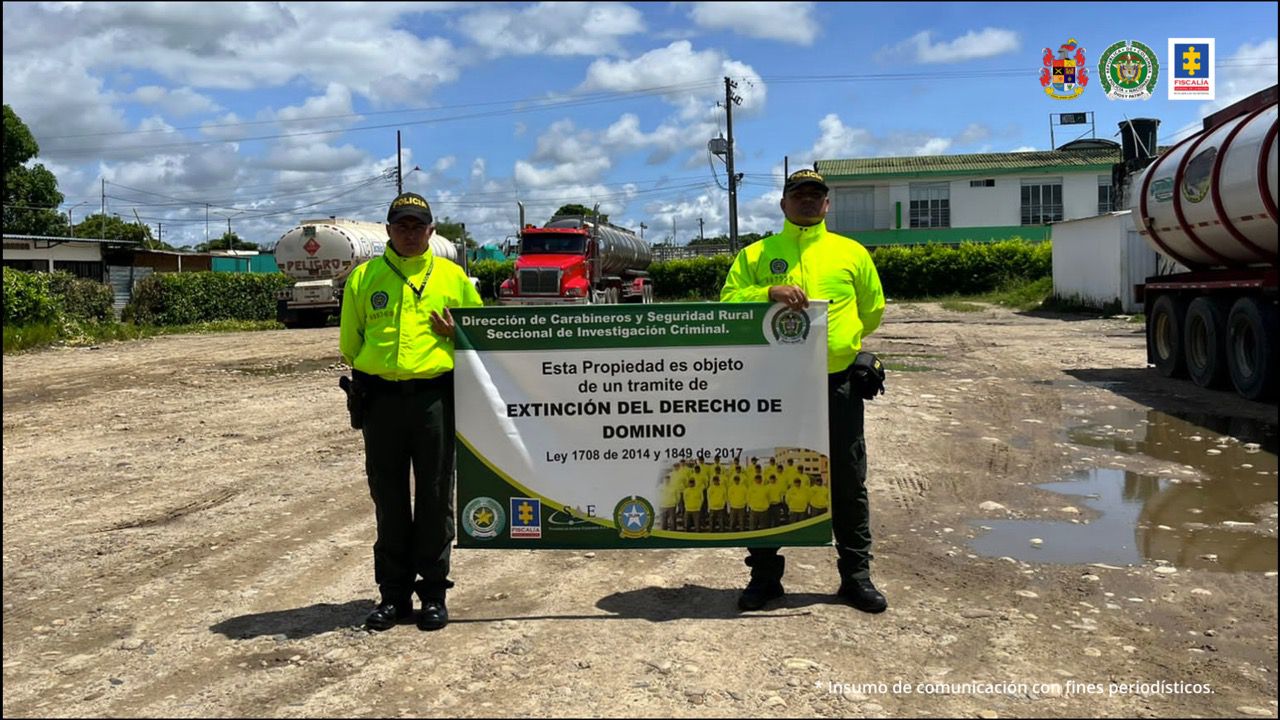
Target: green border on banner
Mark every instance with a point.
(599, 533)
(576, 327)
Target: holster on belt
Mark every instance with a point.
(357, 394)
(866, 375)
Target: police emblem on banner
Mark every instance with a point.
(1128, 70)
(1064, 75)
(778, 266)
(483, 518)
(526, 518)
(378, 300)
(634, 517)
(790, 326)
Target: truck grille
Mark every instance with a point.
(539, 281)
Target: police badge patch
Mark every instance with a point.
(378, 300)
(778, 266)
(634, 517)
(483, 518)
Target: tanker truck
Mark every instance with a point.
(319, 254)
(578, 260)
(1208, 204)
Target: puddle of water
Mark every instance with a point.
(1146, 518)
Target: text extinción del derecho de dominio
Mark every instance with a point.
(652, 323)
(594, 408)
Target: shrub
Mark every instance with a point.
(28, 299)
(80, 298)
(186, 298)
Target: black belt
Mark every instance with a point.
(382, 385)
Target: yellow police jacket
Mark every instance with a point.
(820, 497)
(716, 496)
(758, 496)
(692, 499)
(826, 266)
(737, 494)
(386, 326)
(797, 498)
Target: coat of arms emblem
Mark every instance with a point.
(1064, 75)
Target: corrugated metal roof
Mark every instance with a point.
(976, 163)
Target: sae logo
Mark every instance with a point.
(1191, 69)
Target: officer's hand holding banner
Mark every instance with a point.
(581, 426)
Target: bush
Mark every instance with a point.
(491, 274)
(27, 298)
(80, 298)
(187, 298)
(700, 277)
(970, 268)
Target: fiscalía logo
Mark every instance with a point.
(483, 518)
(1064, 75)
(526, 518)
(778, 266)
(790, 326)
(1192, 62)
(634, 517)
(1128, 70)
(378, 300)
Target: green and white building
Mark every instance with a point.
(981, 197)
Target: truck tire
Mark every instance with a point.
(1164, 335)
(1251, 348)
(611, 296)
(1204, 342)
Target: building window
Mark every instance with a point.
(1105, 204)
(988, 182)
(930, 205)
(1041, 201)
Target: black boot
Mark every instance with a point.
(388, 614)
(766, 581)
(863, 595)
(434, 615)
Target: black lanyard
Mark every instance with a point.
(417, 291)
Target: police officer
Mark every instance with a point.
(397, 336)
(806, 261)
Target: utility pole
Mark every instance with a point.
(104, 208)
(399, 167)
(729, 100)
(206, 224)
(701, 238)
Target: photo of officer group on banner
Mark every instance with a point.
(757, 490)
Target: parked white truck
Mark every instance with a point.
(319, 254)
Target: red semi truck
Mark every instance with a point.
(1209, 205)
(575, 260)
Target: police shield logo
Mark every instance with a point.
(483, 518)
(1128, 70)
(378, 300)
(778, 266)
(790, 326)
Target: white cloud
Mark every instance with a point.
(1250, 69)
(839, 141)
(553, 28)
(973, 45)
(786, 21)
(181, 102)
(690, 80)
(443, 164)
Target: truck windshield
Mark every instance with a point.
(540, 244)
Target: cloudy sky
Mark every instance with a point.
(269, 113)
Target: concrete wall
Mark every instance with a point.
(67, 251)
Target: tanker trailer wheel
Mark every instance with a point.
(1204, 341)
(1251, 348)
(1164, 335)
(611, 296)
(648, 294)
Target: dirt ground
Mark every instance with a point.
(188, 532)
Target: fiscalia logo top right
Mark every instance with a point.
(1191, 61)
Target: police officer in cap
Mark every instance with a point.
(397, 336)
(806, 261)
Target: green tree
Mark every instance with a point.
(453, 230)
(31, 195)
(228, 241)
(113, 228)
(574, 209)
